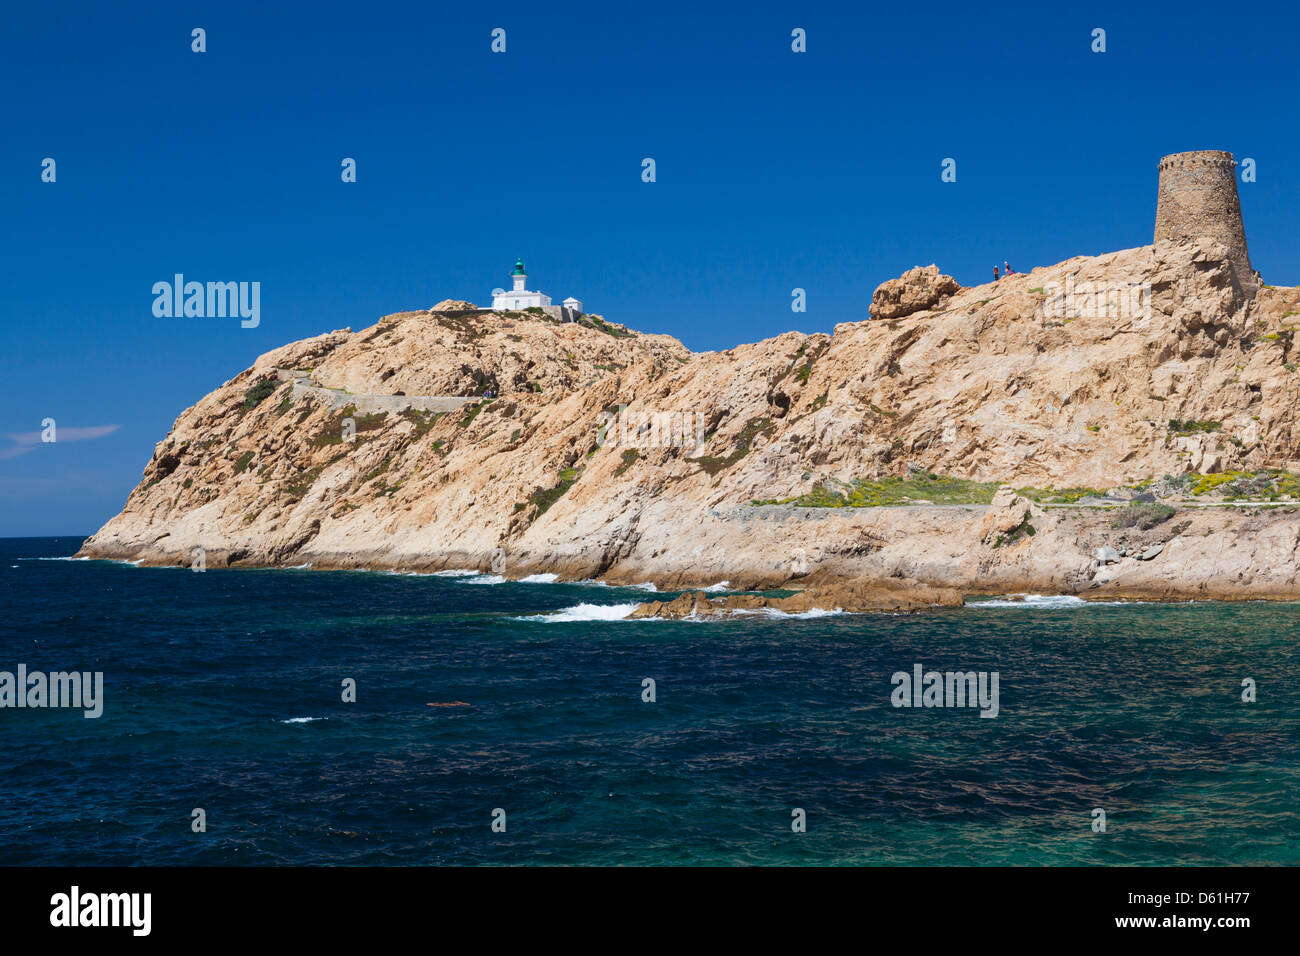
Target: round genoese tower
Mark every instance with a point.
(1198, 198)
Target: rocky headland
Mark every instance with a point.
(1117, 427)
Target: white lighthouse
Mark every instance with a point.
(520, 297)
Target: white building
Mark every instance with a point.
(520, 297)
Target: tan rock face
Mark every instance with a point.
(625, 456)
(454, 305)
(1008, 519)
(921, 287)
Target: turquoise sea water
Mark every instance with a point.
(222, 691)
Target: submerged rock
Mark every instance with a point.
(857, 597)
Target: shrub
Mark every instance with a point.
(543, 498)
(755, 427)
(474, 410)
(259, 392)
(629, 459)
(1143, 515)
(1015, 534)
(1064, 496)
(1193, 428)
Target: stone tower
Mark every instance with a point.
(1198, 198)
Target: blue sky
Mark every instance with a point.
(775, 170)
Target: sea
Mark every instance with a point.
(293, 716)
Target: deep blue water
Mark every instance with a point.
(1135, 709)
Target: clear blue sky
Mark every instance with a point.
(775, 170)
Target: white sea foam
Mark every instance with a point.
(620, 612)
(643, 586)
(486, 579)
(804, 615)
(457, 573)
(715, 588)
(1038, 601)
(777, 613)
(540, 579)
(135, 564)
(584, 612)
(302, 720)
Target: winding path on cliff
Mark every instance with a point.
(371, 404)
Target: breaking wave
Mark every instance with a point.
(584, 612)
(1040, 601)
(778, 614)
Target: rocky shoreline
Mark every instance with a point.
(967, 441)
(912, 558)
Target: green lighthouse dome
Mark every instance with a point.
(519, 268)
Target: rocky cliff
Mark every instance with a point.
(858, 463)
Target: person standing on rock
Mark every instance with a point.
(995, 273)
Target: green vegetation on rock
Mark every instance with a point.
(1024, 529)
(917, 488)
(259, 393)
(1177, 427)
(421, 419)
(629, 459)
(543, 498)
(1143, 515)
(1270, 485)
(473, 412)
(712, 464)
(1065, 496)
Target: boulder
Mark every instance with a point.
(454, 305)
(1110, 572)
(1007, 520)
(917, 289)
